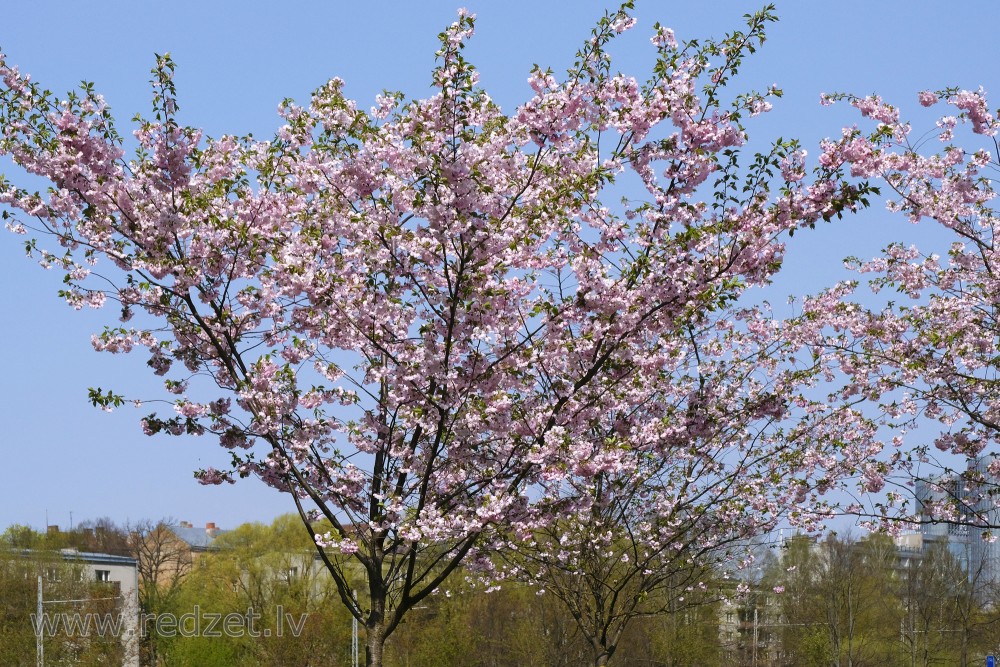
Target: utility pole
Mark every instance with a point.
(354, 633)
(755, 633)
(39, 628)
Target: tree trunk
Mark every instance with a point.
(374, 644)
(604, 650)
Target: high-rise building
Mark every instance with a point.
(962, 511)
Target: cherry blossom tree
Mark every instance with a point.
(733, 441)
(734, 445)
(412, 319)
(928, 358)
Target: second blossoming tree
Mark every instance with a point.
(927, 358)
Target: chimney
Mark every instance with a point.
(210, 529)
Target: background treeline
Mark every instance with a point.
(855, 602)
(63, 580)
(838, 601)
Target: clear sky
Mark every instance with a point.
(237, 60)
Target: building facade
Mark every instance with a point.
(962, 511)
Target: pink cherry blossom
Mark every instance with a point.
(925, 363)
(429, 324)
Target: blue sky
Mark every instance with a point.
(236, 61)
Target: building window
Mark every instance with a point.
(103, 575)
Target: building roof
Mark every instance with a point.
(90, 557)
(98, 559)
(196, 537)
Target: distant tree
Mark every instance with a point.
(937, 601)
(163, 561)
(686, 633)
(269, 573)
(19, 536)
(466, 626)
(17, 603)
(61, 580)
(802, 633)
(838, 601)
(101, 535)
(971, 601)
